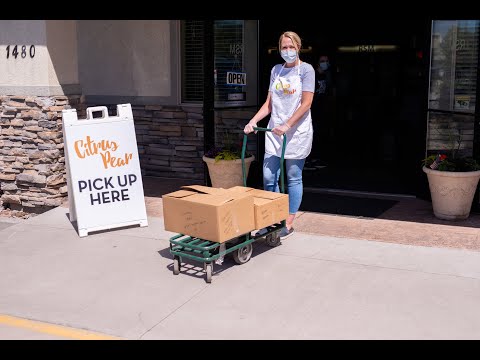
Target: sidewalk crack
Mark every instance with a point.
(174, 311)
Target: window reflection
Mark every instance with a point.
(454, 62)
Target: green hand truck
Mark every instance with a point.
(207, 252)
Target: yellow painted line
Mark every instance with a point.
(57, 330)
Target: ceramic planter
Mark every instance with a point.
(452, 192)
(227, 173)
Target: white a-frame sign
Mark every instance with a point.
(105, 188)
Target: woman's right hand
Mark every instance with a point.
(249, 128)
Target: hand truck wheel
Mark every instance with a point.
(243, 254)
(208, 271)
(273, 240)
(176, 265)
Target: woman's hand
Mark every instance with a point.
(249, 128)
(281, 129)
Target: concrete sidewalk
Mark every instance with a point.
(120, 283)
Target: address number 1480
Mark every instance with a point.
(20, 50)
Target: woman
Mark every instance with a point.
(290, 95)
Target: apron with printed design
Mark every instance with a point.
(286, 95)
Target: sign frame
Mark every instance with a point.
(103, 170)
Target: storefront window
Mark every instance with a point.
(235, 59)
(454, 63)
(230, 74)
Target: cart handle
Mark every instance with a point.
(244, 146)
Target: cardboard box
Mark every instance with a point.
(208, 213)
(269, 207)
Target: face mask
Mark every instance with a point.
(323, 66)
(289, 55)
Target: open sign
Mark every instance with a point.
(234, 78)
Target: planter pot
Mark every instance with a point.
(452, 192)
(227, 173)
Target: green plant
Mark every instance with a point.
(228, 151)
(442, 162)
(221, 153)
(450, 160)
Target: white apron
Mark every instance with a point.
(286, 95)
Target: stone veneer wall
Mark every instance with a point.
(170, 138)
(32, 163)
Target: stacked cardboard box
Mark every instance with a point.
(219, 215)
(269, 207)
(209, 213)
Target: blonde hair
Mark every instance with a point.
(292, 36)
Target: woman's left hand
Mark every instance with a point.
(280, 130)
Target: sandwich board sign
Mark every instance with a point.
(104, 180)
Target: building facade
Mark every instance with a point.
(398, 95)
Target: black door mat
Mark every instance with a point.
(345, 205)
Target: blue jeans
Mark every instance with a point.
(293, 168)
